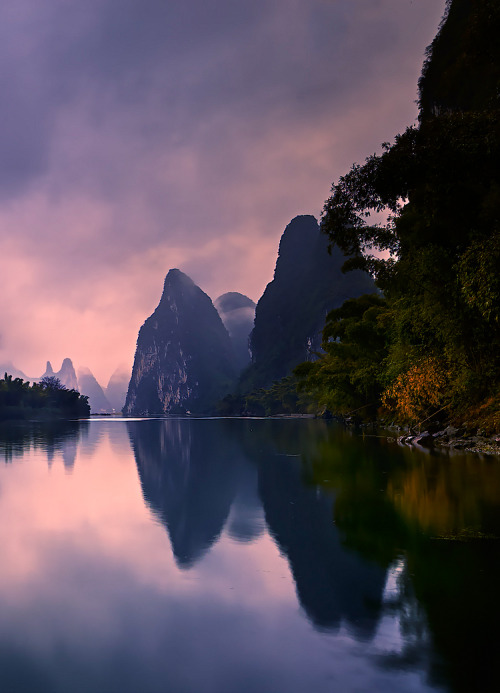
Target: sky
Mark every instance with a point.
(141, 135)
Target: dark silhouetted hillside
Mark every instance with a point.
(290, 315)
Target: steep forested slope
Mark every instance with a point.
(440, 182)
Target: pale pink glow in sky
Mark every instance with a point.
(134, 142)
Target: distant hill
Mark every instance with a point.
(84, 382)
(9, 368)
(88, 385)
(184, 359)
(290, 315)
(237, 312)
(116, 390)
(66, 375)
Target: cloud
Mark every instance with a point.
(141, 135)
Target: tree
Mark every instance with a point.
(349, 374)
(51, 382)
(47, 399)
(436, 257)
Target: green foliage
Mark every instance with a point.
(282, 398)
(349, 374)
(439, 184)
(47, 399)
(480, 278)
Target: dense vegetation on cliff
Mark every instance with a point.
(434, 343)
(44, 400)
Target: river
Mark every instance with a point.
(244, 556)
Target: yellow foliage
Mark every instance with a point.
(445, 498)
(414, 394)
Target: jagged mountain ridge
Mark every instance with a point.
(84, 382)
(66, 374)
(184, 359)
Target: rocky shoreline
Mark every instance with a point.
(435, 436)
(455, 438)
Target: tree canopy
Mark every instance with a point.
(44, 400)
(436, 258)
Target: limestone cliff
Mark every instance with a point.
(184, 359)
(290, 316)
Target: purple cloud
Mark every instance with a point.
(142, 135)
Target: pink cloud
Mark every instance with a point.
(192, 154)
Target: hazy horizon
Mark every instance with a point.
(138, 137)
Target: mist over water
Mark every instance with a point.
(242, 555)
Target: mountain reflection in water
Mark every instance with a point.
(351, 517)
(193, 481)
(302, 557)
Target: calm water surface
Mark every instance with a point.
(244, 556)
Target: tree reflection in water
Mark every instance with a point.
(442, 514)
(52, 437)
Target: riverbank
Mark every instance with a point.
(456, 438)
